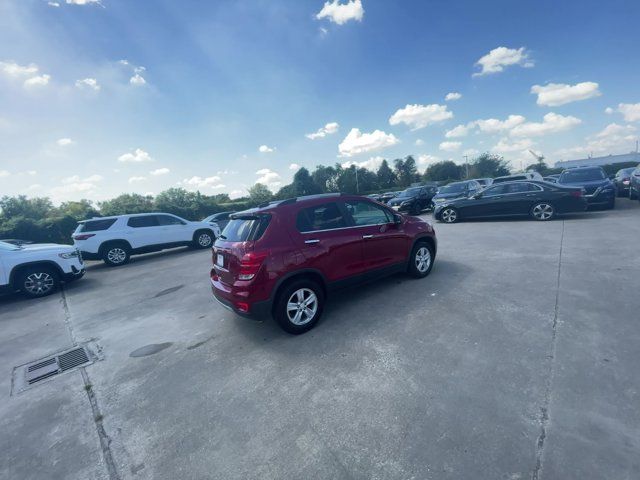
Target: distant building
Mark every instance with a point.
(633, 157)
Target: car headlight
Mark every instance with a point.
(68, 255)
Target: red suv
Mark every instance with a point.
(283, 258)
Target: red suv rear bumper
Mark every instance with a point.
(239, 301)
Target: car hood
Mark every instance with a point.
(590, 186)
(44, 247)
(399, 200)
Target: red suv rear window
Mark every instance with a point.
(245, 228)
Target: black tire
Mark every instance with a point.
(115, 254)
(203, 239)
(281, 311)
(632, 194)
(542, 211)
(449, 215)
(415, 209)
(612, 204)
(38, 281)
(417, 268)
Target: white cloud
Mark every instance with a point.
(551, 123)
(236, 194)
(91, 83)
(4, 173)
(137, 179)
(372, 164)
(357, 142)
(426, 160)
(419, 142)
(137, 80)
(83, 2)
(76, 179)
(137, 156)
(613, 138)
(609, 110)
(328, 129)
(65, 142)
(555, 94)
(452, 96)
(13, 69)
(37, 81)
(341, 13)
(497, 59)
(53, 4)
(265, 149)
(70, 188)
(213, 182)
(458, 131)
(419, 116)
(159, 171)
(450, 146)
(33, 187)
(294, 166)
(507, 146)
(631, 111)
(493, 125)
(268, 177)
(471, 152)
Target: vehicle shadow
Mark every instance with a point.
(95, 265)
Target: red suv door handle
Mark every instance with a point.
(312, 241)
(367, 236)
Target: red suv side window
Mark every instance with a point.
(321, 217)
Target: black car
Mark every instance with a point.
(455, 190)
(413, 200)
(484, 182)
(386, 196)
(599, 190)
(552, 178)
(539, 200)
(518, 176)
(622, 180)
(634, 184)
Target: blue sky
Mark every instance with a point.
(101, 98)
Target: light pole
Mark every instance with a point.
(466, 163)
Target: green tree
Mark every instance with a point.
(127, 203)
(367, 180)
(325, 178)
(78, 210)
(386, 178)
(443, 171)
(303, 183)
(21, 206)
(488, 165)
(406, 171)
(180, 202)
(259, 193)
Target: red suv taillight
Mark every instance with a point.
(83, 236)
(250, 265)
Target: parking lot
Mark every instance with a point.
(516, 358)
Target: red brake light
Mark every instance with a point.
(83, 236)
(576, 193)
(250, 264)
(242, 306)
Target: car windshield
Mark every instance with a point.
(453, 188)
(8, 246)
(409, 192)
(577, 176)
(625, 171)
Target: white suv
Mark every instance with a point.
(36, 270)
(115, 239)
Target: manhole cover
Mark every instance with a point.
(26, 376)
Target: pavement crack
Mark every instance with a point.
(105, 440)
(544, 409)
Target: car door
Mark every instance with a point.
(329, 242)
(487, 204)
(384, 243)
(173, 229)
(4, 270)
(143, 231)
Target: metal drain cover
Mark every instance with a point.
(25, 376)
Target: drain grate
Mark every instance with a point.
(27, 375)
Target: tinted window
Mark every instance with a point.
(244, 229)
(496, 190)
(322, 217)
(144, 221)
(576, 176)
(95, 225)
(409, 192)
(520, 187)
(365, 213)
(454, 188)
(168, 220)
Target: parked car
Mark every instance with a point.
(220, 219)
(413, 200)
(599, 190)
(374, 196)
(539, 200)
(484, 182)
(37, 269)
(518, 176)
(15, 241)
(456, 190)
(622, 180)
(283, 259)
(634, 184)
(115, 239)
(386, 196)
(551, 178)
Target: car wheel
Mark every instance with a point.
(415, 209)
(116, 254)
(203, 239)
(421, 260)
(299, 306)
(632, 194)
(543, 211)
(36, 282)
(449, 215)
(612, 204)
